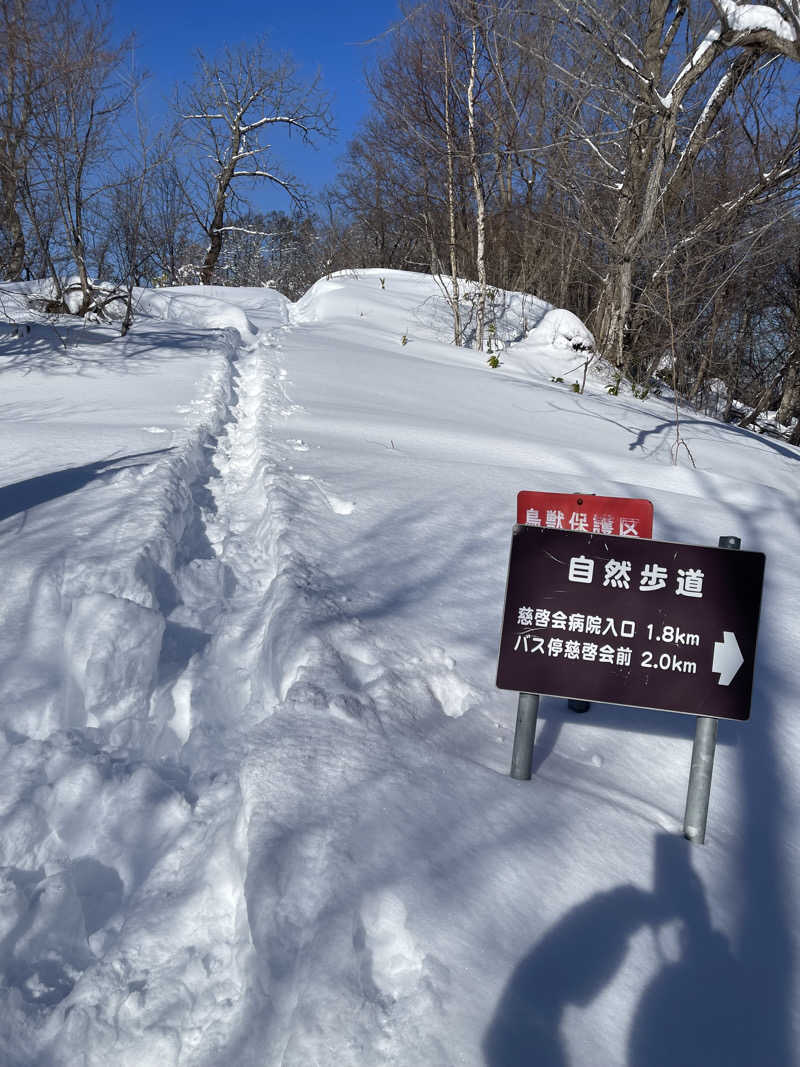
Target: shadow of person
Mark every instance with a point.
(680, 1021)
(697, 1009)
(570, 965)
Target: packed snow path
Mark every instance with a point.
(255, 798)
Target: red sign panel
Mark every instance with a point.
(585, 513)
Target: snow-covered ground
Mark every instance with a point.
(255, 806)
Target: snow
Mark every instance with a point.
(559, 328)
(708, 41)
(198, 308)
(740, 18)
(751, 18)
(255, 798)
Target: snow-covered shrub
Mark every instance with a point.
(561, 329)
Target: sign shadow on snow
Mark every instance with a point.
(695, 1010)
(21, 496)
(555, 716)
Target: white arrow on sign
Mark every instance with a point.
(728, 657)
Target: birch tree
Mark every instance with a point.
(455, 293)
(476, 174)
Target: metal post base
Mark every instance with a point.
(696, 814)
(579, 705)
(524, 733)
(703, 751)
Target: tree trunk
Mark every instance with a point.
(14, 232)
(652, 140)
(79, 245)
(790, 398)
(214, 243)
(480, 201)
(224, 180)
(761, 404)
(451, 205)
(613, 312)
(708, 352)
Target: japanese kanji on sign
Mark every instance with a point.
(631, 621)
(586, 513)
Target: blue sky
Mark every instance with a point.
(329, 36)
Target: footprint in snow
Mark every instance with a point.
(393, 962)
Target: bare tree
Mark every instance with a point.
(784, 288)
(76, 130)
(20, 80)
(372, 198)
(168, 218)
(632, 161)
(673, 67)
(234, 102)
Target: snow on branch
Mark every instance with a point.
(600, 155)
(251, 233)
(749, 18)
(721, 92)
(756, 24)
(203, 116)
(288, 120)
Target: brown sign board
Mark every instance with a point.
(623, 620)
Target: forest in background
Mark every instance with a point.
(636, 163)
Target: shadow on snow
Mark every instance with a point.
(21, 496)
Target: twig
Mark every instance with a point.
(678, 439)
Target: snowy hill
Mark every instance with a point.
(255, 798)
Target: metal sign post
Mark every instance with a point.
(649, 624)
(704, 749)
(524, 734)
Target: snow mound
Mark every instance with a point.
(14, 306)
(412, 307)
(559, 328)
(194, 308)
(256, 298)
